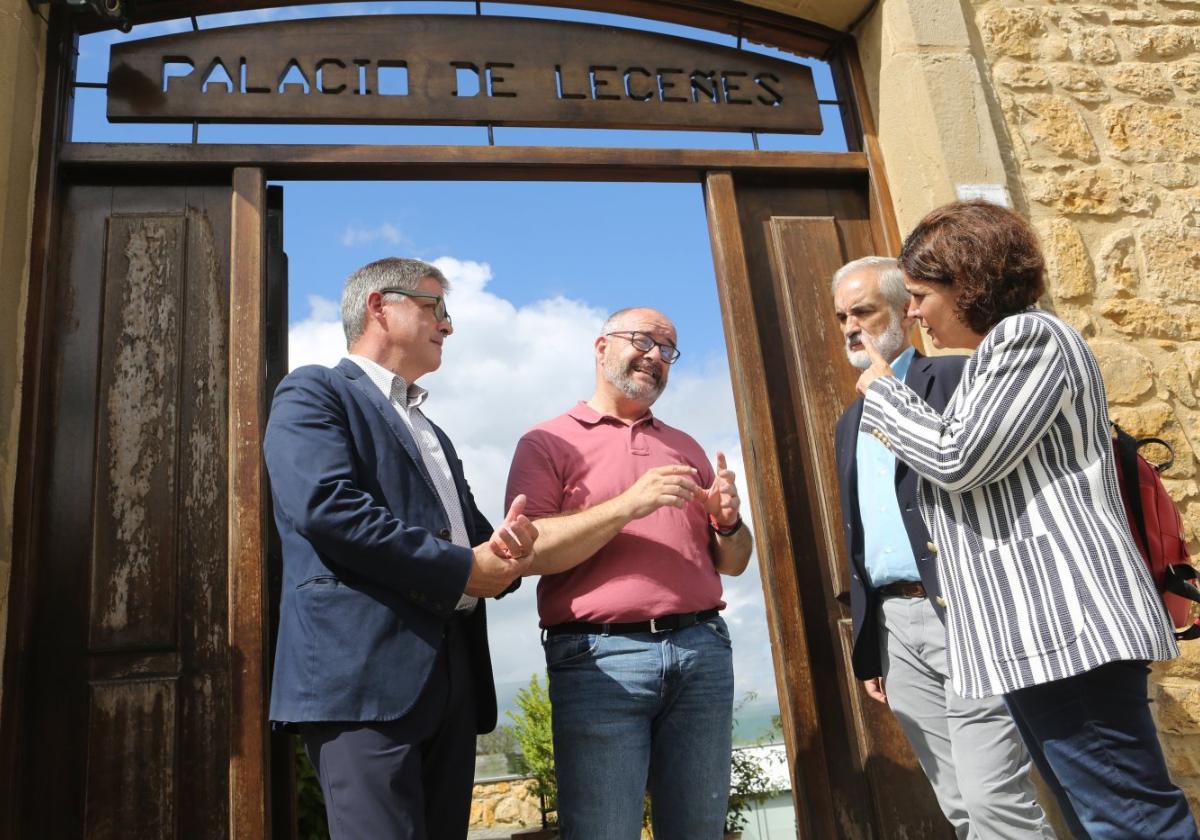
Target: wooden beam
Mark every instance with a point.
(760, 449)
(458, 163)
(249, 764)
(883, 214)
(42, 318)
(758, 25)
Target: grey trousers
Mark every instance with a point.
(969, 749)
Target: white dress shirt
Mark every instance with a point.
(407, 400)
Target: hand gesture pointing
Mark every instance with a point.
(721, 500)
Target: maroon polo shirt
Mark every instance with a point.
(659, 565)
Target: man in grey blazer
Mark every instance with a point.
(969, 749)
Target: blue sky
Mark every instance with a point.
(536, 267)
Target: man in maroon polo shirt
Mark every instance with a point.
(635, 530)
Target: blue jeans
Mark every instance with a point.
(642, 712)
(1095, 743)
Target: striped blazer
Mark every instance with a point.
(1019, 490)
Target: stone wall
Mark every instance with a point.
(505, 803)
(1098, 105)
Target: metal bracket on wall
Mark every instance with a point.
(117, 14)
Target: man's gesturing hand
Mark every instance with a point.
(673, 484)
(515, 537)
(721, 499)
(505, 557)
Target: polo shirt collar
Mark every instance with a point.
(587, 415)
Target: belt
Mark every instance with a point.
(902, 589)
(665, 624)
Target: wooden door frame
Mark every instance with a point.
(248, 168)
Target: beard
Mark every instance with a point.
(622, 377)
(890, 342)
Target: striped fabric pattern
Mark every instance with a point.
(1019, 490)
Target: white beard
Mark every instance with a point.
(890, 342)
(634, 389)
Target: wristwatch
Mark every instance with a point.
(725, 532)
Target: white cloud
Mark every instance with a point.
(506, 368)
(356, 237)
(318, 339)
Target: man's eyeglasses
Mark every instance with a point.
(439, 308)
(645, 343)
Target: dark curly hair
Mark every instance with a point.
(987, 251)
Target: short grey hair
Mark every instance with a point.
(887, 272)
(389, 272)
(618, 318)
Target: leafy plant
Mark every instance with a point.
(748, 780)
(531, 727)
(749, 786)
(310, 803)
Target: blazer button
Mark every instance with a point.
(941, 602)
(932, 548)
(444, 533)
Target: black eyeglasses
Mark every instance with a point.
(645, 343)
(439, 307)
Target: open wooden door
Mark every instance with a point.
(776, 244)
(144, 682)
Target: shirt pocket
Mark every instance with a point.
(1029, 603)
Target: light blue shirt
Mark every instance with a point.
(887, 553)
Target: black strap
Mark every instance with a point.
(1177, 581)
(1127, 452)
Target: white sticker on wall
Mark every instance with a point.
(995, 193)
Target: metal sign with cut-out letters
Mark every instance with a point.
(457, 70)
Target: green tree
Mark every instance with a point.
(531, 726)
(500, 741)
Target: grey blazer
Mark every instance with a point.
(1019, 489)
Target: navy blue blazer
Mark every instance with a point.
(370, 576)
(934, 378)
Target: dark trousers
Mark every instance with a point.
(1095, 743)
(406, 779)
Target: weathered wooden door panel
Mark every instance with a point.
(129, 725)
(856, 775)
(805, 252)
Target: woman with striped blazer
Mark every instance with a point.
(1048, 601)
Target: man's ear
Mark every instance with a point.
(907, 321)
(374, 305)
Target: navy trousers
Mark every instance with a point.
(406, 779)
(1096, 745)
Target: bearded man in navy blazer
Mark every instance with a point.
(970, 750)
(382, 662)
